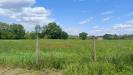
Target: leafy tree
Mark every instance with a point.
(53, 31)
(43, 31)
(27, 35)
(33, 35)
(18, 31)
(5, 32)
(111, 37)
(4, 25)
(64, 35)
(13, 31)
(83, 35)
(107, 36)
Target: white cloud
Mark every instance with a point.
(130, 22)
(107, 12)
(86, 21)
(127, 25)
(122, 26)
(72, 31)
(107, 18)
(23, 12)
(35, 15)
(6, 4)
(97, 30)
(107, 15)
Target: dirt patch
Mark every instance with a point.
(18, 71)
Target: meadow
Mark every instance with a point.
(72, 57)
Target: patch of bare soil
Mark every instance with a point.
(18, 71)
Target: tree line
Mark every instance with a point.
(117, 37)
(12, 31)
(49, 31)
(17, 31)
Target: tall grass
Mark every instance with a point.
(114, 57)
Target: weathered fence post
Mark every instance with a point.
(94, 49)
(37, 54)
(37, 50)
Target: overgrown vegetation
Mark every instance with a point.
(50, 31)
(83, 35)
(17, 31)
(117, 37)
(114, 57)
(12, 31)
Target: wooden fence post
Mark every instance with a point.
(37, 29)
(94, 49)
(37, 50)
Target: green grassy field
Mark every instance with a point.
(73, 57)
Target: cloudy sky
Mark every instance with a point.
(74, 16)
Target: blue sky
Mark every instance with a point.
(96, 17)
